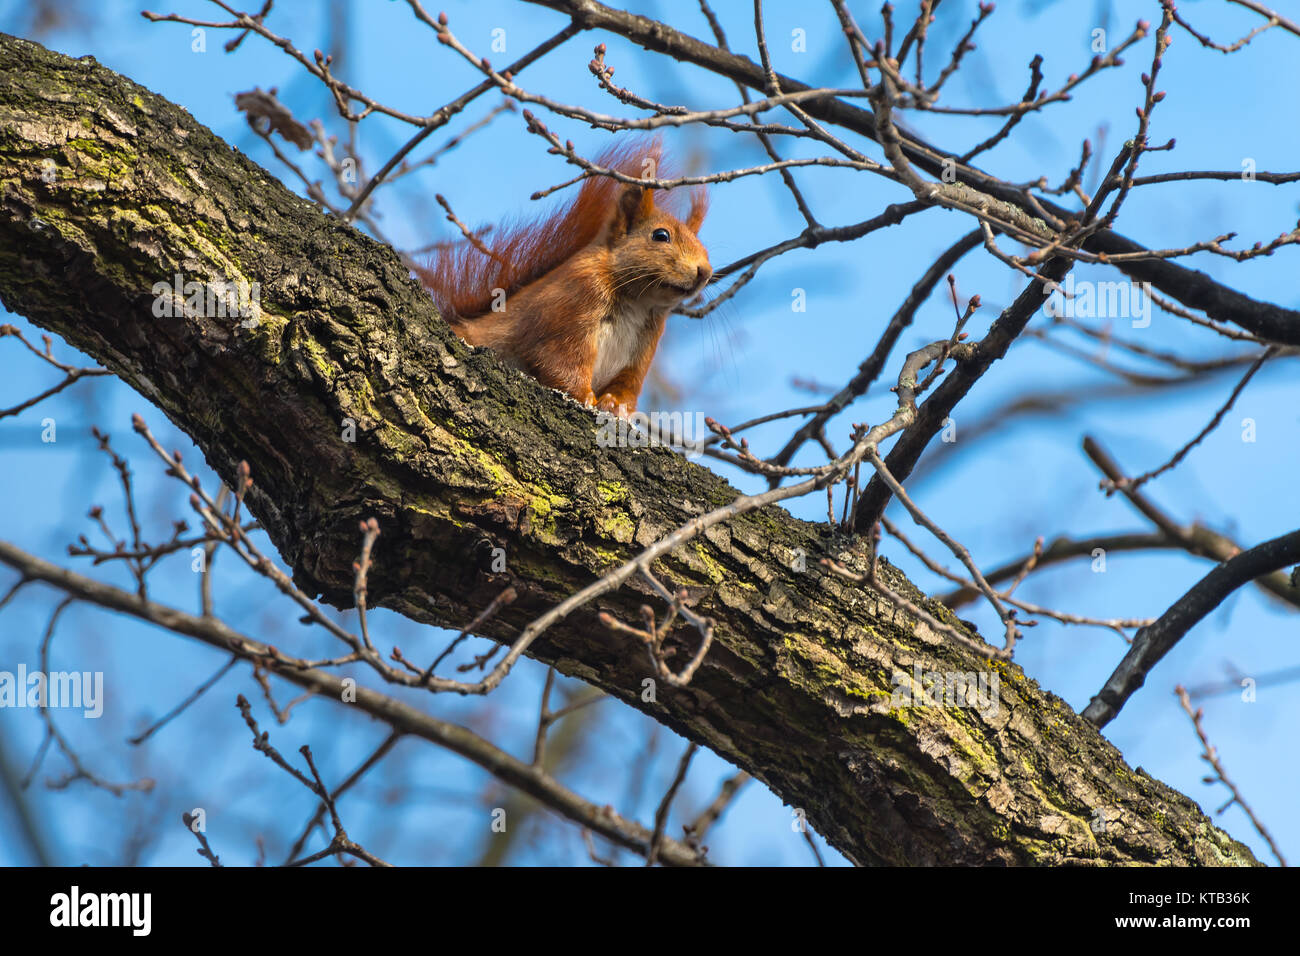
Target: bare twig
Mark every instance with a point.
(1210, 754)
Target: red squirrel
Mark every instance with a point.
(579, 299)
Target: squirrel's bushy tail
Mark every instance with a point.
(464, 281)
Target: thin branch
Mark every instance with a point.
(661, 814)
(1210, 754)
(1154, 642)
(400, 716)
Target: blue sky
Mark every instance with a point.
(1028, 477)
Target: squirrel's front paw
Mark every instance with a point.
(611, 403)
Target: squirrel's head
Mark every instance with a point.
(656, 257)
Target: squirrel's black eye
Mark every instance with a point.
(661, 235)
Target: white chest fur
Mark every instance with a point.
(617, 343)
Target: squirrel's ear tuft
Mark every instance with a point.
(699, 206)
(635, 204)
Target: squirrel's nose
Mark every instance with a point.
(702, 275)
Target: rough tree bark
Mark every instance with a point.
(456, 455)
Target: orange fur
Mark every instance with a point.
(581, 296)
